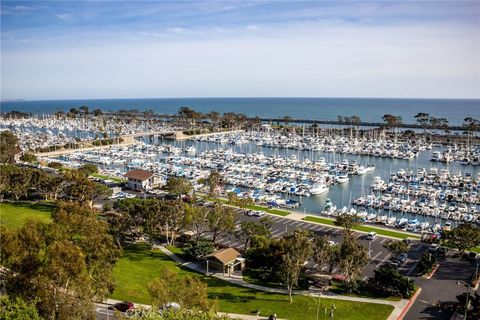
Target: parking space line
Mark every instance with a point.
(276, 231)
(286, 221)
(383, 240)
(384, 259)
(376, 256)
(295, 223)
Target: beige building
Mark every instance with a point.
(226, 260)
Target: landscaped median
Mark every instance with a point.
(277, 212)
(139, 266)
(105, 177)
(364, 228)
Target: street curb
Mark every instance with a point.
(433, 272)
(409, 304)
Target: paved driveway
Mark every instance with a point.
(442, 286)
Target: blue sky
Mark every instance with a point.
(116, 49)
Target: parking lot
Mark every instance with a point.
(282, 226)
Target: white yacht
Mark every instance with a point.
(318, 188)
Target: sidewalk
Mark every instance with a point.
(399, 306)
(230, 315)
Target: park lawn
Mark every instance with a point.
(14, 214)
(139, 265)
(380, 231)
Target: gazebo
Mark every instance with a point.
(225, 260)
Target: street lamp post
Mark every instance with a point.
(466, 303)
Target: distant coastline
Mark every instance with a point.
(327, 109)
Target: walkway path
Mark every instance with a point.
(126, 142)
(398, 305)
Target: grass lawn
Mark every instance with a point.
(278, 212)
(14, 214)
(104, 177)
(139, 266)
(364, 228)
(339, 288)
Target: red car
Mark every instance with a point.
(123, 306)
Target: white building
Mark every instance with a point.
(142, 180)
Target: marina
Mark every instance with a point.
(306, 174)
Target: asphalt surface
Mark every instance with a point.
(449, 280)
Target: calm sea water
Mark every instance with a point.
(370, 110)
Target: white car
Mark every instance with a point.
(372, 236)
(258, 213)
(129, 196)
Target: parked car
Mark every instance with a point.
(123, 306)
(433, 248)
(442, 251)
(393, 263)
(258, 213)
(401, 258)
(372, 236)
(250, 213)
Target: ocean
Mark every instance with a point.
(368, 109)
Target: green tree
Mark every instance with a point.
(387, 281)
(28, 157)
(59, 264)
(17, 309)
(214, 182)
(392, 121)
(422, 119)
(171, 219)
(286, 120)
(80, 188)
(353, 257)
(178, 186)
(297, 250)
(221, 219)
(396, 247)
(88, 169)
(324, 253)
(84, 109)
(248, 229)
(196, 251)
(196, 217)
(188, 292)
(8, 147)
(347, 222)
(463, 237)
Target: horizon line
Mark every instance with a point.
(233, 97)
